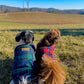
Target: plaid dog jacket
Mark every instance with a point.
(49, 51)
(23, 62)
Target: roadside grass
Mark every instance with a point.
(69, 51)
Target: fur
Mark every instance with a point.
(52, 37)
(50, 71)
(24, 38)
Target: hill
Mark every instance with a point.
(42, 18)
(5, 9)
(11, 9)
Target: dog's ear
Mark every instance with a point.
(33, 39)
(18, 37)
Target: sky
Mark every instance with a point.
(57, 4)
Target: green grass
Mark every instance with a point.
(70, 49)
(42, 18)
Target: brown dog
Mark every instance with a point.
(49, 69)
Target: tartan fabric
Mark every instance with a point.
(49, 51)
(23, 62)
(32, 46)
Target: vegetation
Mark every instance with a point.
(70, 49)
(6, 11)
(42, 18)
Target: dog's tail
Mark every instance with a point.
(51, 71)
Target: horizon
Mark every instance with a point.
(41, 8)
(56, 4)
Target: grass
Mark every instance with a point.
(70, 49)
(42, 18)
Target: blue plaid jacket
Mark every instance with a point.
(24, 58)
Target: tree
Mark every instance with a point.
(6, 11)
(23, 10)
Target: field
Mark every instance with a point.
(42, 18)
(70, 49)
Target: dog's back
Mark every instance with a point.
(23, 62)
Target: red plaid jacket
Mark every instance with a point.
(49, 51)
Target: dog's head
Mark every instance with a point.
(26, 36)
(52, 37)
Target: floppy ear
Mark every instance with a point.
(33, 39)
(18, 37)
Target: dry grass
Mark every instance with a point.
(42, 18)
(70, 49)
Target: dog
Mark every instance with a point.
(24, 58)
(49, 70)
